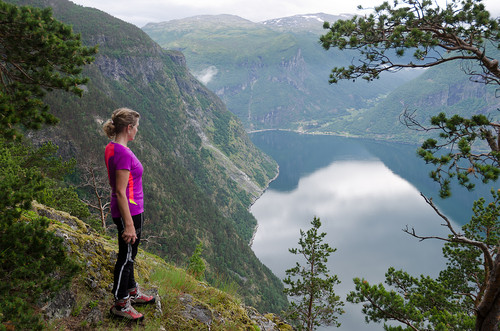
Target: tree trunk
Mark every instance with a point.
(310, 323)
(490, 321)
(488, 311)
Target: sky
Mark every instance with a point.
(141, 12)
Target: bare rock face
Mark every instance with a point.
(177, 57)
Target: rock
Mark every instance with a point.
(195, 310)
(94, 316)
(262, 322)
(177, 57)
(60, 306)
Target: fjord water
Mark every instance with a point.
(365, 192)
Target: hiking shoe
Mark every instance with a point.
(137, 297)
(123, 309)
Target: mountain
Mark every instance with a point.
(272, 74)
(445, 88)
(201, 170)
(312, 23)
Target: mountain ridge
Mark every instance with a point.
(270, 76)
(284, 84)
(304, 22)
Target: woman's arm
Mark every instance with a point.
(122, 177)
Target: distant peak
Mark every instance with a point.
(304, 21)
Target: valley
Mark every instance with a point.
(274, 75)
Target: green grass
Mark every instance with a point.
(173, 280)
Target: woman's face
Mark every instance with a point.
(132, 130)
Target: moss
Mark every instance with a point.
(29, 215)
(282, 325)
(91, 288)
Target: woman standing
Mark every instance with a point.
(127, 210)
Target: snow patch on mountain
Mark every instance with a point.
(305, 21)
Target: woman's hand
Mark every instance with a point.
(129, 235)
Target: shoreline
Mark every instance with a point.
(250, 243)
(345, 135)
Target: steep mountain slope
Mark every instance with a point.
(272, 74)
(201, 170)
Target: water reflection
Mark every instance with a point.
(300, 155)
(363, 207)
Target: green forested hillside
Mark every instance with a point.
(275, 75)
(201, 170)
(445, 88)
(272, 74)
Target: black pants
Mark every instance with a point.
(124, 267)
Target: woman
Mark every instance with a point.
(127, 210)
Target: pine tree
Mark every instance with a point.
(461, 31)
(196, 265)
(33, 263)
(37, 54)
(316, 302)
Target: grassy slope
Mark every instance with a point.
(86, 303)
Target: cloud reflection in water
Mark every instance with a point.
(363, 208)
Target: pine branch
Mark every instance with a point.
(456, 237)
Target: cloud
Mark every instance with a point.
(206, 75)
(141, 12)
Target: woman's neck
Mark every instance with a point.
(121, 139)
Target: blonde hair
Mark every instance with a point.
(120, 120)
